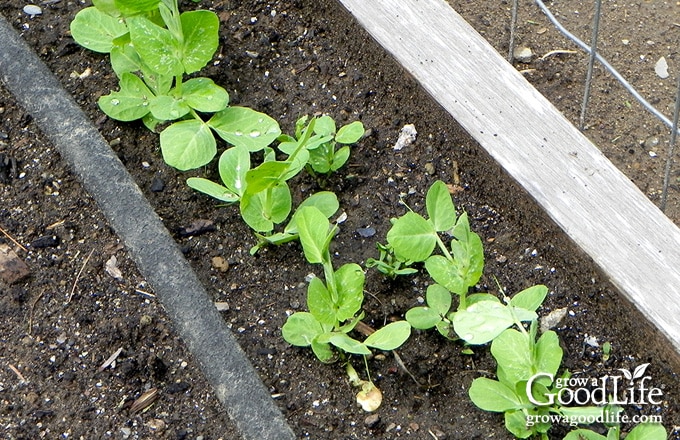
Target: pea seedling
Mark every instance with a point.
(334, 305)
(152, 47)
(324, 155)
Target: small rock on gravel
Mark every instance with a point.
(372, 420)
(32, 10)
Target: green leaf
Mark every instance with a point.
(350, 133)
(390, 337)
(188, 144)
(212, 189)
(512, 351)
(345, 343)
(107, 6)
(156, 46)
(262, 210)
(96, 30)
(320, 303)
(423, 318)
(349, 284)
(245, 127)
(531, 298)
(313, 228)
(548, 353)
(516, 423)
(168, 108)
(264, 176)
(440, 207)
(468, 251)
(301, 328)
(203, 95)
(447, 273)
(324, 126)
(438, 298)
(324, 201)
(491, 395)
(319, 160)
(279, 203)
(647, 431)
(125, 59)
(132, 7)
(233, 165)
(130, 103)
(482, 322)
(340, 158)
(412, 237)
(587, 434)
(322, 350)
(200, 29)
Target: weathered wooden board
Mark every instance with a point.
(632, 241)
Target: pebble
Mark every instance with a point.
(407, 136)
(651, 142)
(372, 420)
(366, 232)
(553, 318)
(523, 54)
(32, 10)
(157, 184)
(47, 241)
(661, 68)
(220, 263)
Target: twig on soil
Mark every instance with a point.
(13, 240)
(80, 272)
(110, 360)
(558, 52)
(30, 315)
(54, 225)
(18, 373)
(141, 292)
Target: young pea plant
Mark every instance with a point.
(335, 307)
(328, 148)
(153, 47)
(520, 356)
(388, 264)
(478, 318)
(262, 193)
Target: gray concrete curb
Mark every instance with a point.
(156, 254)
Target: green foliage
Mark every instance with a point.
(643, 431)
(152, 47)
(519, 357)
(334, 305)
(328, 148)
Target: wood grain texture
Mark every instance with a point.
(632, 241)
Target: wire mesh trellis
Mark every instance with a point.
(591, 49)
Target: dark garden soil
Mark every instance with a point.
(286, 58)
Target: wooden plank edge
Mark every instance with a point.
(602, 211)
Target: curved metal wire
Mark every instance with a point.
(606, 65)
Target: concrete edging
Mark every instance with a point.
(156, 254)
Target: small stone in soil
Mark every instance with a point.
(523, 54)
(32, 10)
(372, 420)
(12, 268)
(197, 227)
(45, 242)
(366, 232)
(157, 185)
(177, 387)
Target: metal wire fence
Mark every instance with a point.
(592, 50)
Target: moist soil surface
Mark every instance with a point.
(61, 323)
